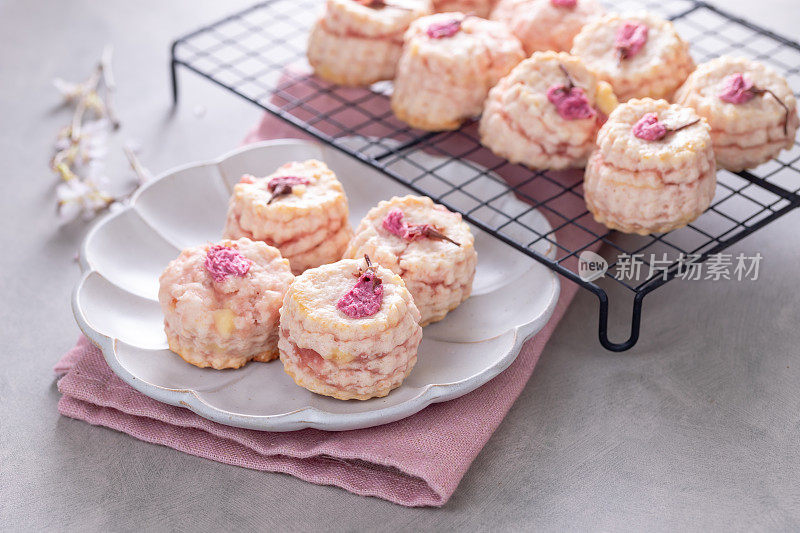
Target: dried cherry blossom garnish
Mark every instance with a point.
(630, 39)
(440, 30)
(394, 222)
(247, 178)
(379, 4)
(736, 89)
(564, 3)
(282, 185)
(223, 261)
(570, 101)
(366, 296)
(649, 128)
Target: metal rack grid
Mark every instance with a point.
(259, 54)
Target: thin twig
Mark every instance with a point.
(756, 90)
(679, 128)
(142, 173)
(110, 84)
(566, 73)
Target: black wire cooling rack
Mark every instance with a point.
(259, 54)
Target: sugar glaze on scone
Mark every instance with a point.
(750, 108)
(653, 170)
(359, 43)
(546, 24)
(449, 63)
(438, 272)
(639, 54)
(305, 217)
(349, 330)
(221, 302)
(546, 112)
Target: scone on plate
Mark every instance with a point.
(359, 42)
(639, 54)
(750, 108)
(546, 24)
(349, 330)
(546, 112)
(301, 209)
(653, 170)
(431, 247)
(221, 302)
(449, 63)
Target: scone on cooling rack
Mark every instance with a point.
(546, 24)
(221, 302)
(430, 247)
(479, 8)
(639, 54)
(349, 330)
(358, 42)
(750, 108)
(653, 170)
(449, 63)
(301, 209)
(546, 112)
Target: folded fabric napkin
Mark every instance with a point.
(417, 461)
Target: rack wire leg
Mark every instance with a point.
(173, 69)
(636, 320)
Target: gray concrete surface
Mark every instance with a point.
(697, 428)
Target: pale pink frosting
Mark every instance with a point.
(648, 128)
(364, 299)
(223, 261)
(630, 38)
(571, 103)
(564, 3)
(736, 89)
(439, 30)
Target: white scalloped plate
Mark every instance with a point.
(116, 306)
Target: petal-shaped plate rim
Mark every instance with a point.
(309, 416)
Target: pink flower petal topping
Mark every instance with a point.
(282, 185)
(648, 128)
(736, 89)
(630, 39)
(394, 222)
(286, 181)
(564, 3)
(571, 102)
(439, 30)
(366, 296)
(223, 261)
(247, 178)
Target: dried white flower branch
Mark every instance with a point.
(81, 147)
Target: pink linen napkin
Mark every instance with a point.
(418, 461)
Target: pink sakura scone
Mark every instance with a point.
(358, 42)
(750, 108)
(639, 54)
(653, 170)
(430, 247)
(479, 8)
(301, 209)
(546, 112)
(449, 63)
(349, 330)
(221, 302)
(546, 24)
